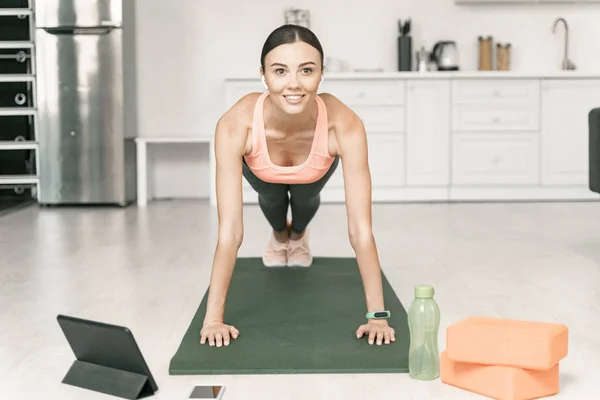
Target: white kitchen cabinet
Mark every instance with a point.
(387, 159)
(381, 107)
(386, 152)
(495, 105)
(506, 91)
(494, 117)
(565, 107)
(489, 159)
(359, 92)
(428, 132)
(236, 89)
(381, 118)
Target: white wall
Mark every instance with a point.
(186, 48)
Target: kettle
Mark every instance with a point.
(445, 55)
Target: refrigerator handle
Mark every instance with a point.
(110, 24)
(74, 30)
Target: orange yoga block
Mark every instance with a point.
(499, 382)
(513, 343)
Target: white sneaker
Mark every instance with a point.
(276, 254)
(298, 254)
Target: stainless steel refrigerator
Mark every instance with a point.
(86, 100)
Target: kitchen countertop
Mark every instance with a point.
(558, 74)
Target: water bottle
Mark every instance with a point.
(424, 325)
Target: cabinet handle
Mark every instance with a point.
(20, 99)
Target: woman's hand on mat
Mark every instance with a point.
(377, 330)
(216, 332)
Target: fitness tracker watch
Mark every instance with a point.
(379, 315)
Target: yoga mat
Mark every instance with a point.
(296, 320)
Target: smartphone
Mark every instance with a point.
(207, 392)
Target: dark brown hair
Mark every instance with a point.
(290, 34)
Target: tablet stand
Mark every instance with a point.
(111, 381)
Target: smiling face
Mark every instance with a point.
(292, 73)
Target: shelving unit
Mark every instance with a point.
(19, 148)
(15, 11)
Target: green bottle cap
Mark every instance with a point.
(424, 291)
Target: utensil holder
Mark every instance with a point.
(404, 53)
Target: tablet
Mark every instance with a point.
(106, 345)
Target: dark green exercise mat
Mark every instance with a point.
(296, 320)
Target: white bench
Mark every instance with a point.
(142, 161)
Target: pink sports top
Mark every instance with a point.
(312, 169)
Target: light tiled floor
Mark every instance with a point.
(143, 268)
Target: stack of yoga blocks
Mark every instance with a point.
(504, 359)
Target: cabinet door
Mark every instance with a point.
(485, 158)
(565, 108)
(386, 152)
(235, 90)
(428, 132)
(386, 159)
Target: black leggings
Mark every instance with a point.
(274, 200)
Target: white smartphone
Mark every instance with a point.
(208, 392)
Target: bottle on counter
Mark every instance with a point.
(424, 324)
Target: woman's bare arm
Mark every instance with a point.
(229, 147)
(352, 146)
